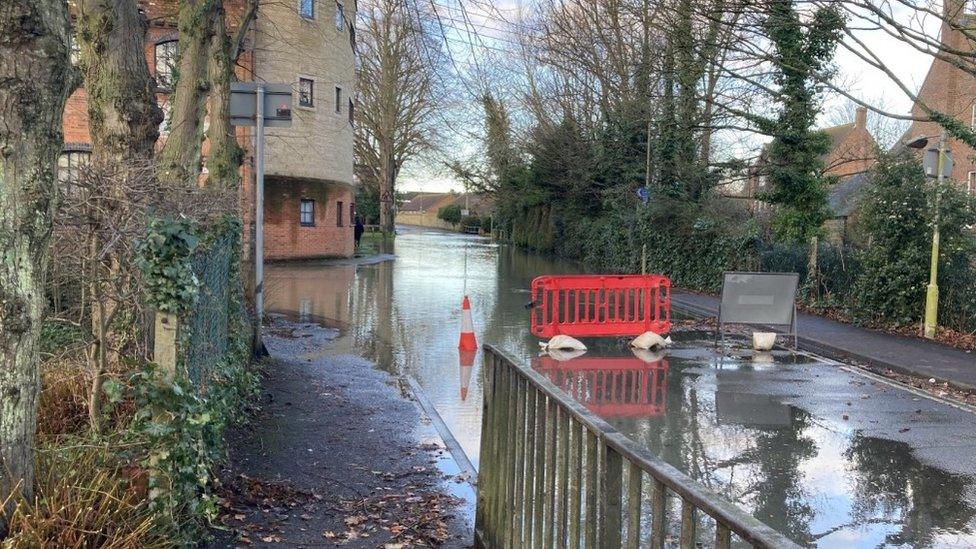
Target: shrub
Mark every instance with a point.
(898, 219)
(450, 214)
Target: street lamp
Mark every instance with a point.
(942, 160)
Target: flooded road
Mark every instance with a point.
(828, 457)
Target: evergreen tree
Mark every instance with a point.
(794, 167)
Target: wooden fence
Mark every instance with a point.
(552, 474)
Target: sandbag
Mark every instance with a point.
(648, 356)
(650, 340)
(562, 355)
(564, 342)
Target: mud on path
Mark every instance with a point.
(336, 456)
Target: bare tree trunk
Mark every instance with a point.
(225, 157)
(387, 189)
(35, 80)
(124, 125)
(179, 160)
(123, 116)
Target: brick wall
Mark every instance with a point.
(286, 238)
(950, 90)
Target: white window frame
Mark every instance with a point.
(971, 184)
(311, 7)
(298, 92)
(972, 119)
(340, 17)
(301, 212)
(71, 162)
(168, 83)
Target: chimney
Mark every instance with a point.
(861, 118)
(953, 16)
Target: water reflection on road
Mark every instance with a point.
(827, 457)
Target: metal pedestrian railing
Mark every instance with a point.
(552, 474)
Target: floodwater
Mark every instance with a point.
(828, 457)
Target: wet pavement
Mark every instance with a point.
(825, 455)
(327, 459)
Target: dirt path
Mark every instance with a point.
(337, 456)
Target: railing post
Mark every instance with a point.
(507, 453)
(562, 476)
(610, 495)
(499, 438)
(687, 525)
(482, 512)
(633, 505)
(723, 536)
(574, 498)
(591, 494)
(659, 515)
(529, 451)
(549, 536)
(538, 514)
(515, 540)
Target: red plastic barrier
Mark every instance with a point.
(601, 305)
(611, 387)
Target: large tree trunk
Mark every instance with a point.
(124, 125)
(35, 80)
(123, 116)
(179, 160)
(224, 160)
(387, 189)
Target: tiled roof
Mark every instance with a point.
(844, 196)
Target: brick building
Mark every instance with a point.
(951, 90)
(853, 150)
(309, 186)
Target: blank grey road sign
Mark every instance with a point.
(277, 104)
(759, 299)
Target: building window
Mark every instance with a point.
(338, 100)
(306, 8)
(972, 120)
(306, 92)
(167, 54)
(339, 214)
(167, 115)
(971, 184)
(307, 213)
(352, 116)
(75, 55)
(340, 17)
(71, 166)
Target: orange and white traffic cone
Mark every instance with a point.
(467, 341)
(466, 363)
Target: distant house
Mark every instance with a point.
(421, 210)
(853, 152)
(950, 90)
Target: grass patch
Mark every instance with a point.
(86, 495)
(369, 244)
